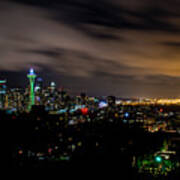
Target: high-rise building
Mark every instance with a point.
(31, 76)
(52, 86)
(39, 85)
(2, 93)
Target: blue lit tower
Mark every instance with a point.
(31, 76)
(2, 93)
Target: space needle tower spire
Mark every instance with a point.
(31, 76)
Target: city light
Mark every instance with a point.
(64, 125)
(31, 71)
(103, 104)
(126, 114)
(158, 159)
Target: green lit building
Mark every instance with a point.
(31, 76)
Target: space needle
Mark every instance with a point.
(31, 76)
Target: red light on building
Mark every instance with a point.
(161, 110)
(84, 111)
(20, 152)
(50, 150)
(13, 117)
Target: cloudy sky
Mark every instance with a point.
(127, 48)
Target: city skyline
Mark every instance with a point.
(124, 48)
(47, 84)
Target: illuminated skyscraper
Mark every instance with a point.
(2, 93)
(52, 86)
(31, 76)
(39, 85)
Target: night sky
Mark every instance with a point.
(127, 48)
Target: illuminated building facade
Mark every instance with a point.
(39, 85)
(53, 86)
(2, 93)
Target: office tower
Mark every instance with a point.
(2, 93)
(52, 86)
(39, 85)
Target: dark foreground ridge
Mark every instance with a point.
(41, 140)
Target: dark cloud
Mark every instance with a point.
(49, 53)
(78, 13)
(172, 44)
(127, 47)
